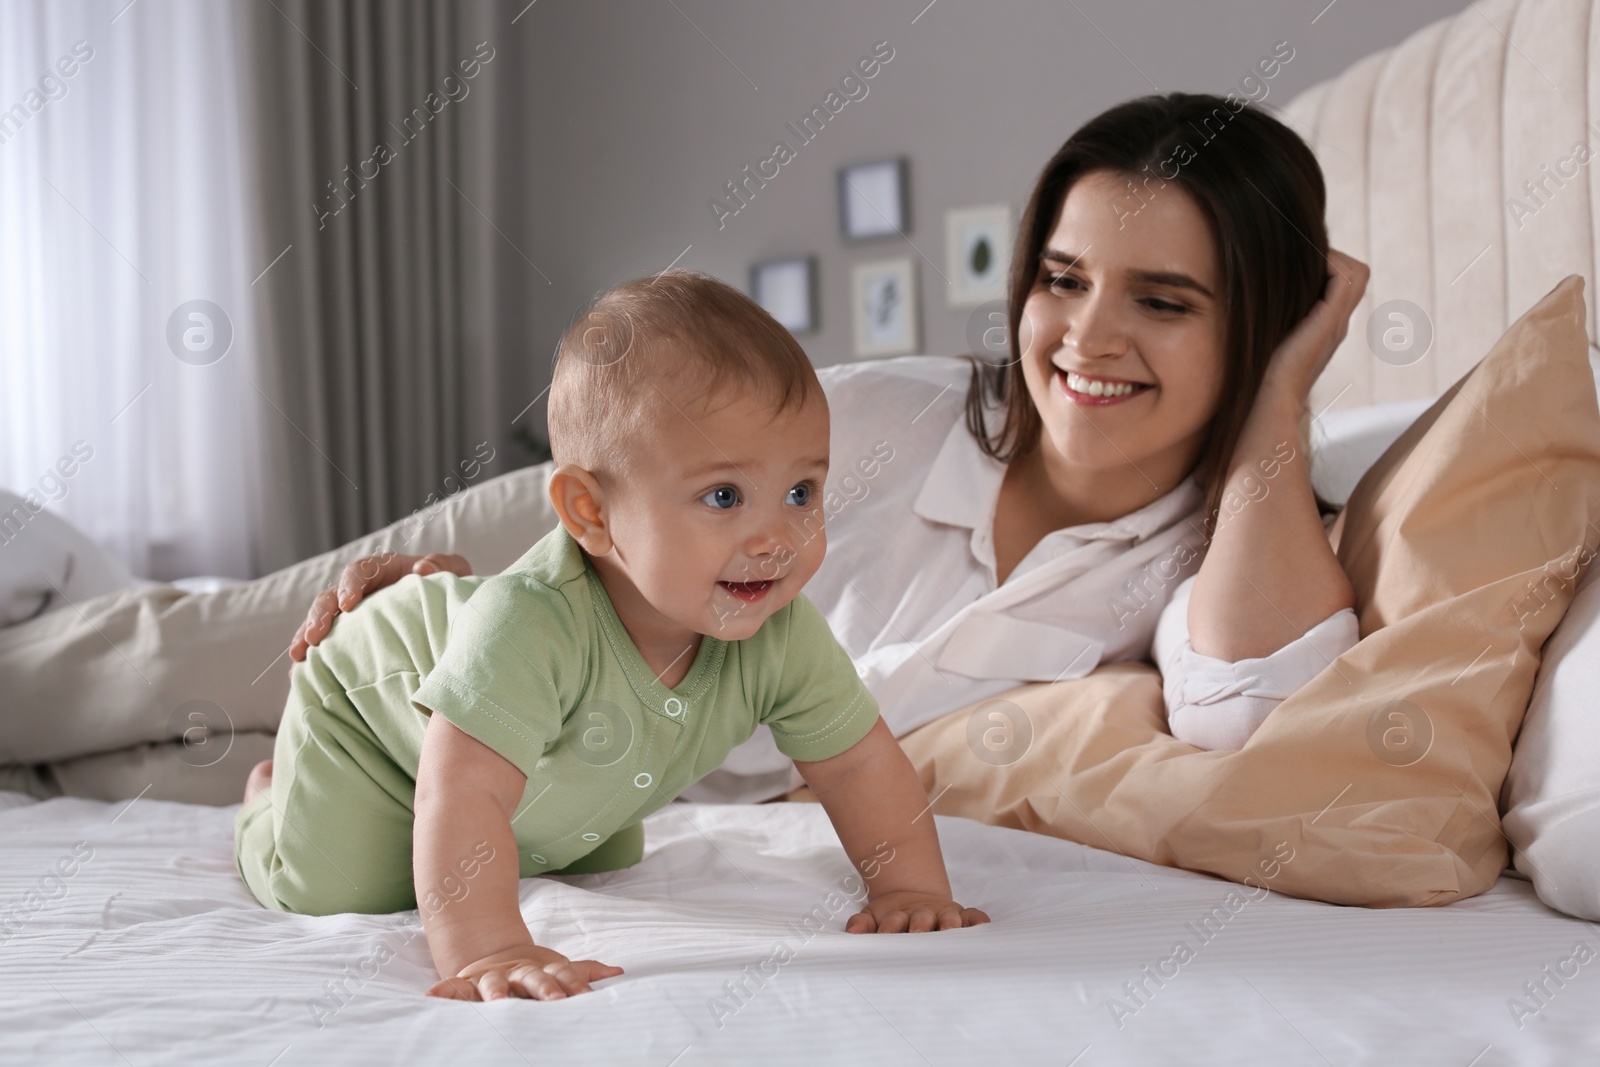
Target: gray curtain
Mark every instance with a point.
(370, 159)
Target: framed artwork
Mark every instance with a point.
(977, 243)
(884, 305)
(787, 289)
(873, 201)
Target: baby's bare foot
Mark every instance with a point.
(259, 781)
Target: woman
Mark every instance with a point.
(988, 526)
(1166, 329)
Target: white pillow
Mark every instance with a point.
(1552, 792)
(1345, 443)
(46, 562)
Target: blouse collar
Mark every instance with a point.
(963, 487)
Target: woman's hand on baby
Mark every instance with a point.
(366, 575)
(905, 911)
(1300, 358)
(527, 971)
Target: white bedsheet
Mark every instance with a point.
(153, 952)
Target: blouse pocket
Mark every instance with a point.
(994, 646)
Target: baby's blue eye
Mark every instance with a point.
(722, 497)
(800, 495)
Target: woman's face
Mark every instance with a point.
(1123, 331)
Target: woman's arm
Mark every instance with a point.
(1218, 704)
(360, 578)
(491, 523)
(1270, 575)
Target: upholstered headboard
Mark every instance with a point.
(1457, 167)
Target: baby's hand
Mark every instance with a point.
(526, 971)
(905, 911)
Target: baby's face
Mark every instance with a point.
(723, 524)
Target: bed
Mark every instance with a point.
(129, 938)
(152, 951)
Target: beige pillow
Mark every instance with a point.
(1376, 784)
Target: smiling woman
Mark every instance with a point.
(1220, 273)
(1181, 341)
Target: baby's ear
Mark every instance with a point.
(580, 504)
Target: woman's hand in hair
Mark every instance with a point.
(360, 578)
(1270, 575)
(1302, 356)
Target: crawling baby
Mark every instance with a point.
(456, 733)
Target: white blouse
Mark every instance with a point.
(908, 583)
(1214, 704)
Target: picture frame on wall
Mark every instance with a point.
(874, 200)
(884, 315)
(977, 243)
(787, 290)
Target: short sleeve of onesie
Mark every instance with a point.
(510, 665)
(821, 707)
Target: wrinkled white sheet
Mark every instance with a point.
(153, 952)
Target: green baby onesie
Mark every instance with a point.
(538, 667)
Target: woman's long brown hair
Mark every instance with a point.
(1261, 190)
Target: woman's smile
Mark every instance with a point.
(1092, 391)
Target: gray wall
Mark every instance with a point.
(630, 118)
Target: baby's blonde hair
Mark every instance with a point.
(683, 327)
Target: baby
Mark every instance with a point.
(457, 733)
